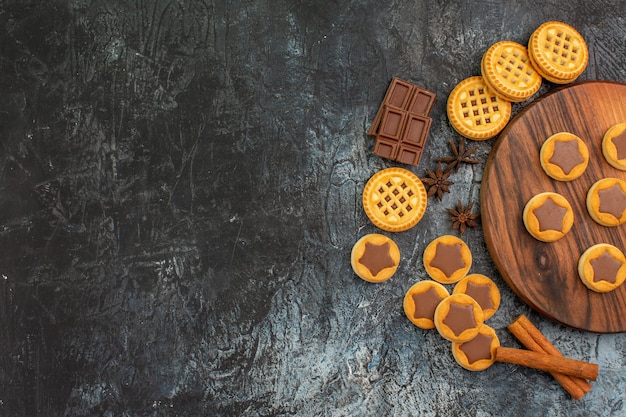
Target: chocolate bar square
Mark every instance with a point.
(386, 148)
(392, 123)
(422, 102)
(399, 93)
(416, 129)
(409, 154)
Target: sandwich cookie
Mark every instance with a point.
(394, 199)
(475, 111)
(506, 68)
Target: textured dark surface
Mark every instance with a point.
(180, 187)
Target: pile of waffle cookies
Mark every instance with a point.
(479, 107)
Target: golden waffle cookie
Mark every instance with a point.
(602, 267)
(506, 68)
(475, 111)
(558, 52)
(394, 199)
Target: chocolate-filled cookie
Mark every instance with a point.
(564, 156)
(458, 318)
(421, 301)
(447, 259)
(375, 258)
(479, 353)
(602, 267)
(606, 201)
(548, 216)
(482, 289)
(614, 146)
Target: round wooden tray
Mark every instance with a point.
(545, 275)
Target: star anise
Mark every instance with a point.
(459, 156)
(437, 182)
(462, 217)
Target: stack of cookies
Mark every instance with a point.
(459, 316)
(558, 52)
(479, 107)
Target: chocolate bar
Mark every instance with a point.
(402, 124)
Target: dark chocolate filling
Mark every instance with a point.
(376, 257)
(478, 348)
(481, 293)
(426, 303)
(460, 318)
(620, 144)
(612, 201)
(550, 216)
(566, 155)
(448, 258)
(605, 268)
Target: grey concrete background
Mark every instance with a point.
(180, 187)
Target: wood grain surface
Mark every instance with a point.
(545, 275)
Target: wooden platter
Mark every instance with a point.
(545, 275)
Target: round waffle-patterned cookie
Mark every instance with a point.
(506, 68)
(475, 111)
(558, 52)
(394, 199)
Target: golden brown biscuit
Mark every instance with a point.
(458, 318)
(606, 201)
(394, 199)
(447, 259)
(475, 111)
(506, 68)
(614, 146)
(478, 353)
(564, 156)
(375, 258)
(602, 267)
(482, 289)
(421, 300)
(548, 216)
(558, 52)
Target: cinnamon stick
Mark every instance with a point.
(532, 338)
(547, 362)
